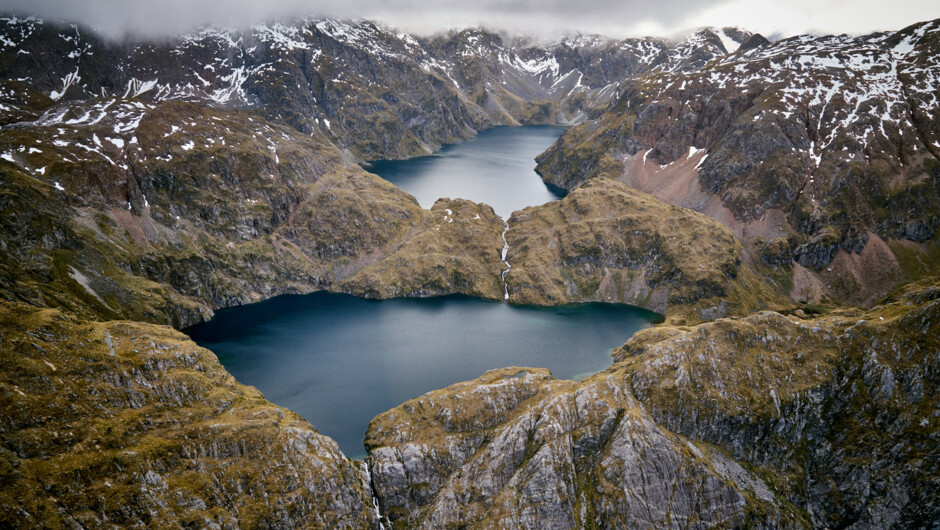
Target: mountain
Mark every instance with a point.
(131, 424)
(357, 82)
(821, 153)
(130, 136)
(776, 202)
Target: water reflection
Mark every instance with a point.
(497, 168)
(339, 360)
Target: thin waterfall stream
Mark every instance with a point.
(506, 263)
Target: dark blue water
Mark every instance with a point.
(497, 168)
(338, 360)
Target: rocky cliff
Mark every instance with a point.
(610, 243)
(838, 411)
(518, 449)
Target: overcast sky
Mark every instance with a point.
(616, 18)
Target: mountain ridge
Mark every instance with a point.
(829, 156)
(233, 68)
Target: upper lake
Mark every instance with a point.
(338, 360)
(497, 167)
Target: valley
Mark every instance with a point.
(776, 202)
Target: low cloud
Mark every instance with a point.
(616, 18)
(154, 18)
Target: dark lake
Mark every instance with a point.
(497, 167)
(338, 360)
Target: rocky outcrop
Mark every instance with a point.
(516, 448)
(840, 410)
(127, 424)
(608, 242)
(456, 250)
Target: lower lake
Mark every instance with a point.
(338, 360)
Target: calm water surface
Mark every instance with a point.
(497, 168)
(338, 360)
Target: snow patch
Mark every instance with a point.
(67, 81)
(235, 80)
(135, 87)
(730, 44)
(700, 162)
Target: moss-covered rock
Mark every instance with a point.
(610, 243)
(456, 249)
(130, 424)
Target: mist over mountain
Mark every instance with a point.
(777, 201)
(619, 19)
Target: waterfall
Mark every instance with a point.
(375, 500)
(506, 263)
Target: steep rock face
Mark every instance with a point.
(839, 410)
(516, 448)
(119, 423)
(831, 138)
(607, 242)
